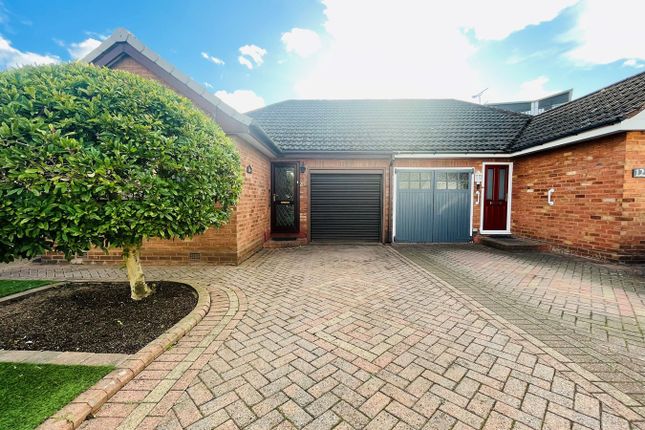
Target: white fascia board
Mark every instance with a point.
(454, 155)
(635, 123)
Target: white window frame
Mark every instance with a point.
(509, 200)
(471, 170)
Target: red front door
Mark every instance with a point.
(496, 197)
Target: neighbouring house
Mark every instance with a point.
(536, 107)
(418, 170)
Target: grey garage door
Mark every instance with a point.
(432, 206)
(346, 206)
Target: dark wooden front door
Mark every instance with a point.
(496, 197)
(284, 198)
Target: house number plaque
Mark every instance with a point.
(639, 172)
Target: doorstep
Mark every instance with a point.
(511, 243)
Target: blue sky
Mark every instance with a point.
(256, 52)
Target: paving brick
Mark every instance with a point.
(360, 336)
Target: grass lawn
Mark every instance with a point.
(10, 286)
(30, 393)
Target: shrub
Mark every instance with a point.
(96, 157)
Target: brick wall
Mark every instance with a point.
(589, 216)
(632, 247)
(253, 210)
(128, 64)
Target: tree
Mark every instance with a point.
(93, 157)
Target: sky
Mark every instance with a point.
(254, 53)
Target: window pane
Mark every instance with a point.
(501, 192)
(463, 181)
(489, 183)
(440, 180)
(426, 180)
(452, 180)
(404, 185)
(414, 185)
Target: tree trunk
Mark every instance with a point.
(138, 287)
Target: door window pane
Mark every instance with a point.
(501, 190)
(463, 181)
(489, 183)
(414, 181)
(452, 180)
(440, 180)
(284, 182)
(404, 179)
(426, 180)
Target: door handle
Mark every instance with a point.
(549, 198)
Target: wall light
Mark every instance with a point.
(478, 177)
(249, 169)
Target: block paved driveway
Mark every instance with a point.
(408, 337)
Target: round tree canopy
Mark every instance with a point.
(96, 157)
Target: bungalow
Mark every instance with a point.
(418, 170)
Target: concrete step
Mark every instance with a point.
(510, 243)
(285, 242)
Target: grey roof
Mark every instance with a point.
(607, 106)
(388, 126)
(413, 125)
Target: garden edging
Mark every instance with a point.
(71, 416)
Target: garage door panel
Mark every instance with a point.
(451, 216)
(414, 206)
(346, 206)
(433, 206)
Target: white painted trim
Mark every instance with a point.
(637, 122)
(396, 187)
(452, 155)
(434, 168)
(509, 194)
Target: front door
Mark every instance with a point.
(496, 198)
(284, 198)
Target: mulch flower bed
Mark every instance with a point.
(92, 317)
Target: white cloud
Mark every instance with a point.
(533, 89)
(412, 48)
(301, 41)
(212, 59)
(81, 49)
(632, 62)
(251, 56)
(498, 19)
(241, 100)
(608, 31)
(12, 57)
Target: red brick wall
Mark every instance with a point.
(587, 218)
(253, 210)
(632, 246)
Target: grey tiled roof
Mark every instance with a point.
(388, 125)
(607, 106)
(441, 126)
